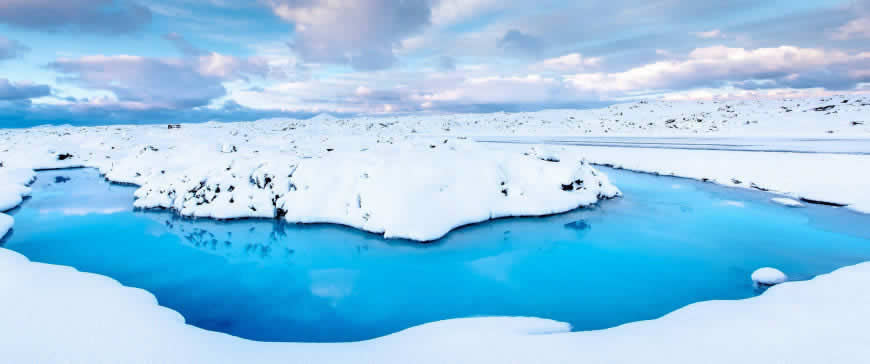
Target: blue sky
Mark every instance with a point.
(120, 61)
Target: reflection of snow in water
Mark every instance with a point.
(82, 211)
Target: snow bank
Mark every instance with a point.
(88, 318)
(836, 179)
(6, 223)
(13, 188)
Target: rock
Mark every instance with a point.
(63, 157)
(580, 225)
(228, 148)
(767, 277)
(543, 154)
(824, 108)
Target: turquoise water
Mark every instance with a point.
(668, 243)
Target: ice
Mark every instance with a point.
(787, 202)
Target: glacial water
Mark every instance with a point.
(667, 243)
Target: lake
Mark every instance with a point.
(667, 243)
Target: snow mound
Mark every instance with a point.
(10, 197)
(766, 277)
(417, 191)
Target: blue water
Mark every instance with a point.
(668, 243)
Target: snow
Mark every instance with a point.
(768, 276)
(418, 177)
(62, 315)
(10, 197)
(833, 178)
(411, 187)
(6, 223)
(746, 117)
(786, 202)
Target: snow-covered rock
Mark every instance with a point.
(766, 277)
(410, 190)
(228, 148)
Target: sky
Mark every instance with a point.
(120, 61)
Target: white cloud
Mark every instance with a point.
(495, 90)
(572, 62)
(362, 33)
(855, 29)
(711, 34)
(719, 63)
(452, 11)
(143, 82)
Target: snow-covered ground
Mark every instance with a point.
(45, 317)
(828, 116)
(839, 179)
(418, 177)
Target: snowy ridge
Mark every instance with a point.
(814, 321)
(826, 116)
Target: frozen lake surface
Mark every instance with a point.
(667, 243)
(848, 145)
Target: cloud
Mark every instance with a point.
(21, 90)
(715, 33)
(572, 62)
(498, 90)
(182, 44)
(855, 29)
(99, 16)
(781, 66)
(174, 83)
(23, 113)
(360, 33)
(517, 41)
(144, 83)
(446, 63)
(10, 48)
(147, 82)
(448, 12)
